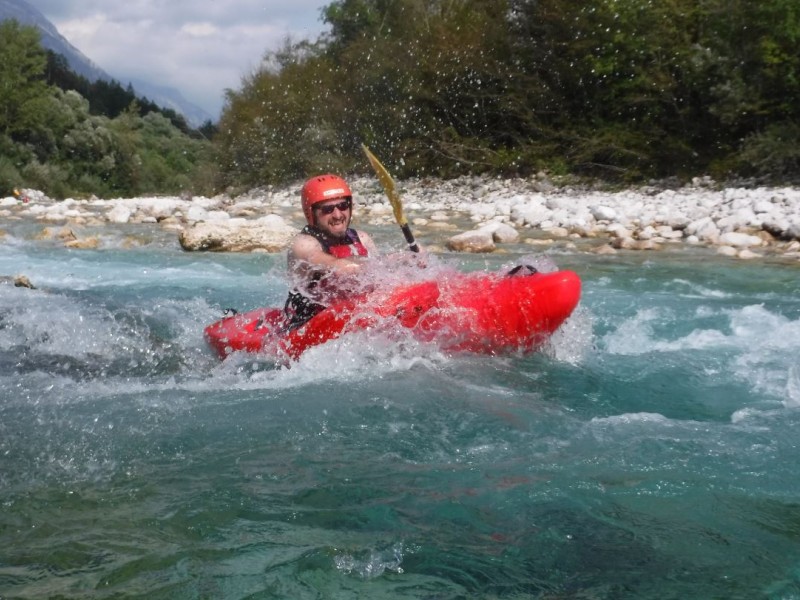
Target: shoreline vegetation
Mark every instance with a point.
(467, 214)
(621, 92)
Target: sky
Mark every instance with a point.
(199, 47)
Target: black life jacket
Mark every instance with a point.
(299, 308)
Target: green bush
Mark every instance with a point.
(50, 178)
(772, 155)
(10, 177)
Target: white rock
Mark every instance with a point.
(677, 222)
(743, 217)
(763, 206)
(704, 229)
(501, 232)
(557, 232)
(196, 213)
(603, 213)
(618, 230)
(223, 237)
(647, 233)
(560, 202)
(606, 249)
(739, 240)
(482, 212)
(119, 214)
(668, 233)
(161, 208)
(380, 209)
(472, 241)
(533, 215)
(217, 215)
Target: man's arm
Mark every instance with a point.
(306, 253)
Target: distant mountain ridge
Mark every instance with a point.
(165, 97)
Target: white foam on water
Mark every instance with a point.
(634, 335)
(355, 357)
(763, 346)
(697, 290)
(631, 419)
(66, 325)
(629, 429)
(56, 324)
(770, 352)
(793, 386)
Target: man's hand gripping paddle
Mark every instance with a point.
(394, 198)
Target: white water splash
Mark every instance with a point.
(769, 347)
(762, 345)
(372, 563)
(574, 340)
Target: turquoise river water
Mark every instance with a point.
(652, 450)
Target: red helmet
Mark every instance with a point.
(321, 189)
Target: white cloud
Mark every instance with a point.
(199, 29)
(200, 47)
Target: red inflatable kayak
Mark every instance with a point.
(479, 312)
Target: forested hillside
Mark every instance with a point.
(67, 136)
(109, 98)
(617, 89)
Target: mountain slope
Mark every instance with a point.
(52, 40)
(167, 97)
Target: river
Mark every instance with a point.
(649, 451)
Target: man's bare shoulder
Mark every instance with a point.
(303, 245)
(365, 239)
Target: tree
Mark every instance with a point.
(22, 86)
(619, 89)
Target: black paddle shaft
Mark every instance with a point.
(412, 243)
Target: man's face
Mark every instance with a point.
(333, 217)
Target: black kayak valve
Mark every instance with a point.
(531, 270)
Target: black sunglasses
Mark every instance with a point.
(329, 208)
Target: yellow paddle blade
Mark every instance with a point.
(388, 186)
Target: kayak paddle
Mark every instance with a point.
(394, 197)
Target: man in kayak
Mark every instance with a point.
(326, 254)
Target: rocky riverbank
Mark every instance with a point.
(740, 222)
